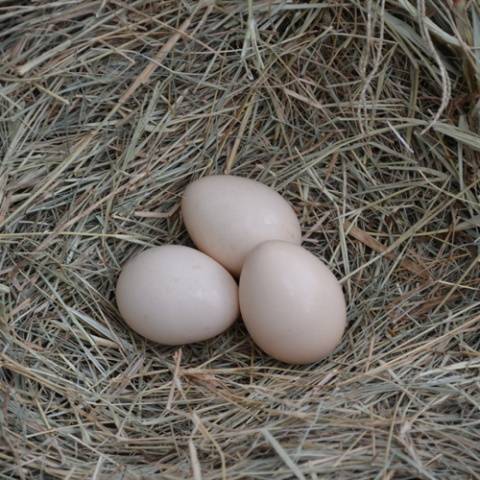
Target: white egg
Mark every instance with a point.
(176, 295)
(291, 303)
(227, 216)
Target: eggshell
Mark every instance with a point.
(227, 216)
(175, 295)
(291, 303)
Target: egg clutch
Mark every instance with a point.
(291, 303)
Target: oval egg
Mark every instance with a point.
(291, 303)
(175, 295)
(226, 216)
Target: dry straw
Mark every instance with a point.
(364, 114)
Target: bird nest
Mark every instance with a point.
(364, 115)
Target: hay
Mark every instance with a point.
(365, 115)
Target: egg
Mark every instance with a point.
(291, 303)
(226, 216)
(175, 295)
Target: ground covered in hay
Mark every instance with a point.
(364, 114)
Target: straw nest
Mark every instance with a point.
(363, 114)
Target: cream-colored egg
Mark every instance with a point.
(227, 216)
(176, 295)
(291, 303)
